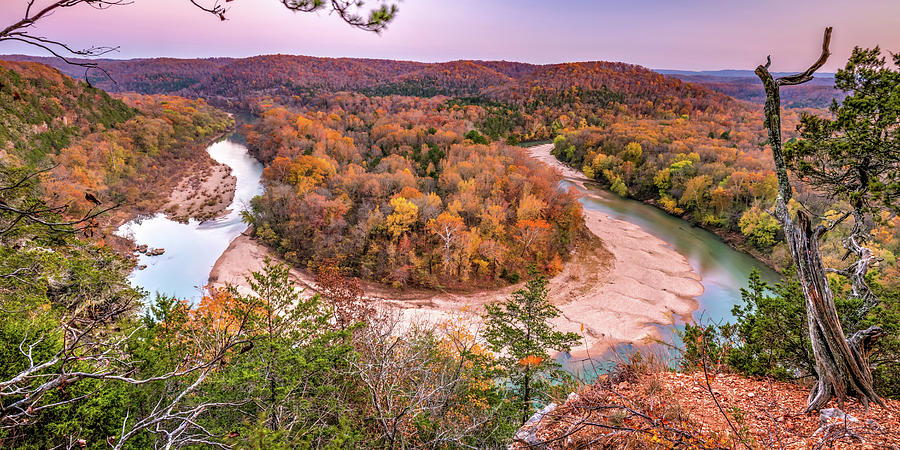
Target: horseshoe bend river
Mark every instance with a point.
(192, 249)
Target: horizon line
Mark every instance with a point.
(664, 71)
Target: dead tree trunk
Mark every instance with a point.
(842, 364)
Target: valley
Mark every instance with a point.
(470, 232)
(618, 288)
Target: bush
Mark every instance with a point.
(759, 227)
(618, 187)
(477, 138)
(770, 335)
(511, 277)
(705, 345)
(772, 330)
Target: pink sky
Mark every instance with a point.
(685, 34)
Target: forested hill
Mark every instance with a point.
(286, 74)
(289, 74)
(121, 149)
(299, 75)
(43, 110)
(744, 85)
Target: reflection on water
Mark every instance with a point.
(193, 248)
(724, 271)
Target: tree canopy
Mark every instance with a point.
(853, 156)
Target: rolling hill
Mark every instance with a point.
(231, 79)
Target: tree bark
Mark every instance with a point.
(841, 364)
(527, 396)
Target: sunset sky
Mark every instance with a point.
(664, 34)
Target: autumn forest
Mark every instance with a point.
(461, 254)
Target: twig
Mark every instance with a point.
(713, 394)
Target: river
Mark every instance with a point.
(724, 270)
(191, 249)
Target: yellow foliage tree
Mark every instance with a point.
(530, 207)
(404, 216)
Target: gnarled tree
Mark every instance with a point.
(854, 159)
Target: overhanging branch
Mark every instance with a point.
(807, 75)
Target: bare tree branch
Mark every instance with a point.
(841, 369)
(376, 20)
(807, 75)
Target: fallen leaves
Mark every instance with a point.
(768, 414)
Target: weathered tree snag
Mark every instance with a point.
(857, 271)
(841, 365)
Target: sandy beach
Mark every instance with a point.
(648, 284)
(618, 289)
(202, 196)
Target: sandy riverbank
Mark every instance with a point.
(648, 284)
(618, 290)
(202, 196)
(201, 188)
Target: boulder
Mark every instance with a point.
(528, 433)
(835, 415)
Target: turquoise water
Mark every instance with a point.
(193, 248)
(724, 271)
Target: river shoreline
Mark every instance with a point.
(191, 248)
(185, 189)
(730, 238)
(617, 288)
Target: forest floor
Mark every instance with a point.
(766, 415)
(616, 288)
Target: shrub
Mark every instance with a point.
(759, 227)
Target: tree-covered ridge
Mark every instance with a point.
(396, 190)
(134, 162)
(191, 77)
(234, 80)
(637, 83)
(157, 75)
(558, 98)
(243, 78)
(42, 111)
(267, 74)
(818, 93)
(454, 78)
(123, 150)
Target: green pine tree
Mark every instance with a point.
(519, 330)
